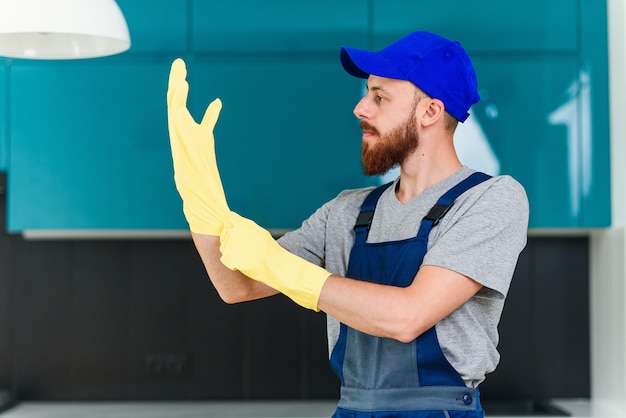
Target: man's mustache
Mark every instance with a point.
(365, 126)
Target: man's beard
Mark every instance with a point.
(391, 149)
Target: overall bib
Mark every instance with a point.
(382, 377)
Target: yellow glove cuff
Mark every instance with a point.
(249, 248)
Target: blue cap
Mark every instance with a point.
(438, 66)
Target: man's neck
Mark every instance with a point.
(418, 173)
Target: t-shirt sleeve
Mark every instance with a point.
(484, 236)
(326, 237)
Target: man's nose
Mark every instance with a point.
(361, 110)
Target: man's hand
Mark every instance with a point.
(247, 247)
(193, 152)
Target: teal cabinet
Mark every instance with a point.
(287, 140)
(278, 26)
(85, 143)
(89, 147)
(98, 157)
(529, 114)
(542, 72)
(157, 27)
(484, 26)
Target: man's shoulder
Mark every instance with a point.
(501, 194)
(352, 197)
(506, 185)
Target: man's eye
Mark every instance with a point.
(379, 99)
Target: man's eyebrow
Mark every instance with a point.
(375, 88)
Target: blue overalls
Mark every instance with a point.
(382, 377)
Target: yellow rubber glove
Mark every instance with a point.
(249, 248)
(193, 152)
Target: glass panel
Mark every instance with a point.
(483, 25)
(157, 26)
(535, 114)
(89, 147)
(287, 140)
(88, 139)
(278, 25)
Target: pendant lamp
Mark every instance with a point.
(62, 29)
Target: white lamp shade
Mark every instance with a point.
(62, 29)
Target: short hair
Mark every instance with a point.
(450, 121)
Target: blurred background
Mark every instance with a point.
(102, 295)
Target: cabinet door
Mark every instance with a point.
(535, 114)
(287, 140)
(89, 146)
(483, 25)
(277, 26)
(157, 27)
(541, 70)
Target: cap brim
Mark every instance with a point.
(362, 64)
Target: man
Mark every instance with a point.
(412, 275)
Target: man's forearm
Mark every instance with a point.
(401, 313)
(232, 286)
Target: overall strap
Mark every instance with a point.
(364, 220)
(445, 202)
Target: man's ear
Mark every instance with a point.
(434, 111)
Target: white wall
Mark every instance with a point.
(608, 247)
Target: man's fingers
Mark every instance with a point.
(211, 114)
(178, 88)
(178, 71)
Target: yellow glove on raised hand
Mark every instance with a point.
(193, 152)
(247, 247)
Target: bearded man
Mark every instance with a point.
(413, 274)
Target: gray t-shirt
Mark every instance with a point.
(480, 237)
